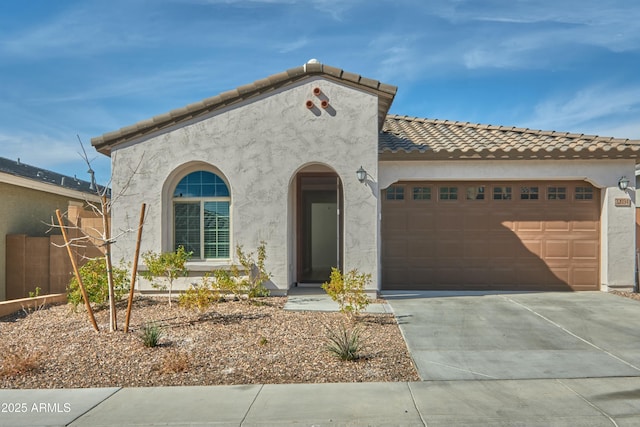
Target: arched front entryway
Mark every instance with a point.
(318, 224)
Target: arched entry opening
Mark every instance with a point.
(319, 225)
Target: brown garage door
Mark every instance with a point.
(491, 235)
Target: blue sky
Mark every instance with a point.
(84, 68)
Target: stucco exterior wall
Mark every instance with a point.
(25, 211)
(257, 147)
(617, 241)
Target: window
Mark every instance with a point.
(529, 193)
(501, 193)
(201, 215)
(475, 193)
(557, 193)
(584, 193)
(421, 193)
(448, 193)
(395, 192)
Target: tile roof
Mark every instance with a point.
(415, 138)
(385, 94)
(19, 169)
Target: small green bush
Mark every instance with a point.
(256, 273)
(199, 296)
(166, 265)
(151, 334)
(348, 290)
(226, 282)
(94, 279)
(344, 343)
(246, 279)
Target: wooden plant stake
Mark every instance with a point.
(134, 270)
(113, 321)
(77, 272)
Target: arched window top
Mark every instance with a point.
(201, 184)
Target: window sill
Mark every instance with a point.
(223, 264)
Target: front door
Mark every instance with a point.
(319, 226)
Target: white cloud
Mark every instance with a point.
(592, 110)
(81, 31)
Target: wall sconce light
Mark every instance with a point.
(361, 174)
(623, 183)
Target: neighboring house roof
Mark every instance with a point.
(44, 180)
(416, 138)
(385, 94)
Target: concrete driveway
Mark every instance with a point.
(476, 335)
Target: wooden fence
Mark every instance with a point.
(43, 262)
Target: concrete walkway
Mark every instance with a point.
(316, 299)
(567, 402)
(594, 332)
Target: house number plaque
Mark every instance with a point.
(623, 202)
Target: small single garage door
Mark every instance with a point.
(491, 236)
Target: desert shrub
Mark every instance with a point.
(246, 279)
(199, 296)
(344, 343)
(151, 334)
(167, 265)
(227, 282)
(348, 290)
(174, 362)
(94, 278)
(256, 275)
(18, 362)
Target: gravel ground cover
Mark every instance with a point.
(231, 343)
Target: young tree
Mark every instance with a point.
(97, 237)
(167, 265)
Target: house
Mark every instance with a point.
(310, 162)
(30, 197)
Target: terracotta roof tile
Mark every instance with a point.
(417, 138)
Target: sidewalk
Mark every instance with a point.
(580, 402)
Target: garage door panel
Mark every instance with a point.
(449, 249)
(395, 249)
(474, 248)
(421, 248)
(557, 249)
(420, 220)
(448, 221)
(394, 221)
(585, 225)
(532, 247)
(585, 250)
(558, 275)
(477, 220)
(514, 244)
(528, 226)
(556, 226)
(585, 278)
